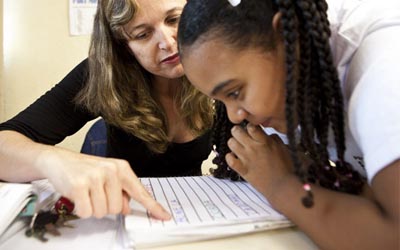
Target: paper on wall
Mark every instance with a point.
(81, 16)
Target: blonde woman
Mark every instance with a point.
(157, 123)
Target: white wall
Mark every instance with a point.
(37, 53)
(1, 62)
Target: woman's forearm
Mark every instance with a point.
(19, 157)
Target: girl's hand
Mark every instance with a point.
(98, 186)
(262, 160)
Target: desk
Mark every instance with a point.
(100, 234)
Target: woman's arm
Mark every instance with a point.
(48, 120)
(18, 155)
(98, 186)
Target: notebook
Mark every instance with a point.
(15, 198)
(202, 207)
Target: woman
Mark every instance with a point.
(283, 65)
(158, 124)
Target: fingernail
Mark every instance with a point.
(250, 127)
(228, 161)
(167, 215)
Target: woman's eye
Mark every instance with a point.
(142, 35)
(173, 20)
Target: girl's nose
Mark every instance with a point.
(236, 114)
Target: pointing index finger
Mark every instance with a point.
(136, 190)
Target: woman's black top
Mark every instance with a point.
(54, 116)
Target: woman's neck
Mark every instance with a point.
(165, 87)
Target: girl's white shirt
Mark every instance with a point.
(365, 43)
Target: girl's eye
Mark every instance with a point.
(234, 95)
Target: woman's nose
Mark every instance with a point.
(236, 114)
(167, 39)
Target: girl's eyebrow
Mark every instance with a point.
(220, 86)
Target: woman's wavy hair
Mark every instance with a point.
(313, 94)
(119, 88)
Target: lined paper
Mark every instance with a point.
(202, 207)
(201, 200)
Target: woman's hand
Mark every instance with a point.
(262, 160)
(98, 186)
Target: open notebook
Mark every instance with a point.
(14, 198)
(202, 207)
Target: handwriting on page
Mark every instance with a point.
(201, 200)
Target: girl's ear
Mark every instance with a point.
(276, 22)
(277, 27)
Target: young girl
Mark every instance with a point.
(331, 87)
(158, 124)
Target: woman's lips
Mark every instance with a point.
(171, 59)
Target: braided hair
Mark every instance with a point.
(220, 134)
(314, 99)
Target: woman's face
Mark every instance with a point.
(152, 36)
(251, 83)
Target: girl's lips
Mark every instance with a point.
(171, 59)
(266, 123)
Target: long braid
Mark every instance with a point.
(221, 134)
(342, 177)
(315, 125)
(313, 119)
(305, 94)
(307, 101)
(349, 180)
(312, 23)
(320, 27)
(324, 80)
(290, 37)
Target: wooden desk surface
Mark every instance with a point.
(279, 239)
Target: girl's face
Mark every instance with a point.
(251, 82)
(152, 36)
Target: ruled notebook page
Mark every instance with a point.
(201, 207)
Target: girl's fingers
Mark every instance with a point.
(240, 135)
(235, 146)
(236, 164)
(249, 135)
(256, 133)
